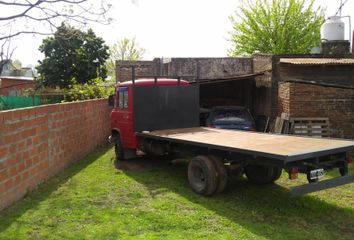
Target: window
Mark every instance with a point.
(123, 97)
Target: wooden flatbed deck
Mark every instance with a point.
(281, 147)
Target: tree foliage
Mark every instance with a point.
(124, 49)
(72, 55)
(95, 88)
(276, 26)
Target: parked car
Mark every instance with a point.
(231, 117)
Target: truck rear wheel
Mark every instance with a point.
(276, 173)
(261, 175)
(202, 175)
(221, 172)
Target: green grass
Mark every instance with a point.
(94, 200)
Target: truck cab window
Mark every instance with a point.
(123, 97)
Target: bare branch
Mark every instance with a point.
(23, 13)
(23, 32)
(51, 13)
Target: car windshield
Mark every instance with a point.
(231, 115)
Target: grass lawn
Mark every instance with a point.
(94, 200)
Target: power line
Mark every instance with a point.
(340, 8)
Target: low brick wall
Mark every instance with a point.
(38, 142)
(308, 100)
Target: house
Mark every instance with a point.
(13, 81)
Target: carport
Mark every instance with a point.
(238, 90)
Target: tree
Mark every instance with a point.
(72, 56)
(124, 49)
(276, 26)
(42, 16)
(6, 52)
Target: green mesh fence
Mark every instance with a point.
(11, 102)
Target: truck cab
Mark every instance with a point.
(123, 130)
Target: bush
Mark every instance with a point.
(95, 88)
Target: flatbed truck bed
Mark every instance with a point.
(281, 151)
(285, 148)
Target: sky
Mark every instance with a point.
(168, 28)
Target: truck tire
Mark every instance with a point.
(276, 173)
(221, 173)
(202, 175)
(260, 175)
(118, 148)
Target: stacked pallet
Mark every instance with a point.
(313, 127)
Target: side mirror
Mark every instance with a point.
(111, 100)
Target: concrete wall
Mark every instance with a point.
(187, 68)
(38, 142)
(142, 68)
(208, 68)
(307, 100)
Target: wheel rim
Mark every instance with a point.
(198, 177)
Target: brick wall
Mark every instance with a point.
(12, 84)
(308, 100)
(38, 142)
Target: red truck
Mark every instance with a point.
(160, 116)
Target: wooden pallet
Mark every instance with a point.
(314, 127)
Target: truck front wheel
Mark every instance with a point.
(118, 148)
(202, 175)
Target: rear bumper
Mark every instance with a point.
(325, 184)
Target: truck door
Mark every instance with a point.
(124, 118)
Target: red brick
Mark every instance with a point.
(25, 175)
(4, 151)
(27, 133)
(13, 171)
(13, 160)
(21, 167)
(17, 180)
(3, 175)
(8, 184)
(28, 162)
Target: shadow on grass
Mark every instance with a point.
(268, 211)
(34, 197)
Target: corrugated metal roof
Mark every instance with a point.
(318, 61)
(17, 78)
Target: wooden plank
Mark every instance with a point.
(267, 124)
(278, 127)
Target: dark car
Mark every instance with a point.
(231, 117)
